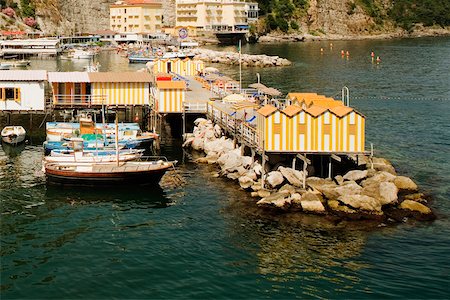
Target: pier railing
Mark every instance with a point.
(78, 100)
(235, 127)
(195, 107)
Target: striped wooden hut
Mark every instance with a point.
(121, 89)
(170, 96)
(183, 67)
(100, 88)
(313, 129)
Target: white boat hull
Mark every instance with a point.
(13, 134)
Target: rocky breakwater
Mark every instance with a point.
(247, 60)
(373, 192)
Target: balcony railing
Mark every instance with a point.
(79, 100)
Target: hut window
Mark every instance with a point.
(352, 118)
(9, 94)
(1, 95)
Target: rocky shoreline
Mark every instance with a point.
(419, 31)
(373, 191)
(232, 58)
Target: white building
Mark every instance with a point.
(22, 90)
(31, 47)
(216, 15)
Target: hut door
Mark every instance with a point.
(169, 67)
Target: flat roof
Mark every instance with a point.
(23, 75)
(120, 77)
(30, 42)
(68, 77)
(165, 84)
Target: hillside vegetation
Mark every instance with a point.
(374, 15)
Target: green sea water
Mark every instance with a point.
(207, 239)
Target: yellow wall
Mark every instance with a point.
(186, 67)
(136, 18)
(170, 100)
(306, 133)
(120, 93)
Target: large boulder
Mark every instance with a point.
(382, 164)
(336, 206)
(274, 179)
(287, 188)
(310, 202)
(350, 188)
(379, 177)
(294, 177)
(405, 183)
(277, 200)
(320, 183)
(257, 168)
(198, 144)
(355, 175)
(388, 193)
(362, 202)
(415, 206)
(245, 182)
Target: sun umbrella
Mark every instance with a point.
(210, 70)
(258, 86)
(234, 98)
(271, 92)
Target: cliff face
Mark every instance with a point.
(71, 16)
(347, 17)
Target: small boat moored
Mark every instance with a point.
(13, 134)
(147, 170)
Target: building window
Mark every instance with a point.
(10, 94)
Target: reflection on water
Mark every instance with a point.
(12, 150)
(207, 238)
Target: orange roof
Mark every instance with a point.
(327, 102)
(300, 96)
(267, 110)
(315, 110)
(175, 85)
(292, 110)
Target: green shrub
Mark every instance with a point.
(351, 6)
(271, 23)
(294, 25)
(27, 8)
(282, 24)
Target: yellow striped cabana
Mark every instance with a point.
(183, 67)
(273, 126)
(351, 129)
(122, 89)
(170, 96)
(313, 129)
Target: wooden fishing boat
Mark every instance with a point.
(131, 172)
(99, 156)
(13, 134)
